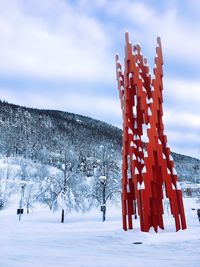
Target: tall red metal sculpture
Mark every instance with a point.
(148, 168)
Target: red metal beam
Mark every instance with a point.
(148, 166)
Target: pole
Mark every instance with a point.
(135, 209)
(20, 207)
(104, 202)
(63, 216)
(21, 202)
(64, 187)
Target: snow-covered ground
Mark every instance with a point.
(39, 240)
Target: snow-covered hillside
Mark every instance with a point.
(45, 135)
(39, 240)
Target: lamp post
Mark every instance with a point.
(65, 168)
(20, 210)
(103, 206)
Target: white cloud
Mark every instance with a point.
(184, 89)
(181, 115)
(71, 40)
(182, 95)
(184, 142)
(134, 11)
(180, 35)
(99, 107)
(194, 4)
(183, 119)
(51, 40)
(57, 40)
(177, 136)
(183, 131)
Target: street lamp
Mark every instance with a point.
(21, 210)
(103, 206)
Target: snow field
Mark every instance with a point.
(40, 240)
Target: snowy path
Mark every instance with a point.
(39, 240)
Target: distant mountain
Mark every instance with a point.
(44, 136)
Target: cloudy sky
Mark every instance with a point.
(59, 54)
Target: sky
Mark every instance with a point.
(60, 54)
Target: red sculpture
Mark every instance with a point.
(148, 167)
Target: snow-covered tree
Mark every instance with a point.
(105, 183)
(46, 193)
(8, 174)
(70, 188)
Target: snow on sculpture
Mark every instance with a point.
(148, 166)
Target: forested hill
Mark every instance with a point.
(46, 135)
(43, 135)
